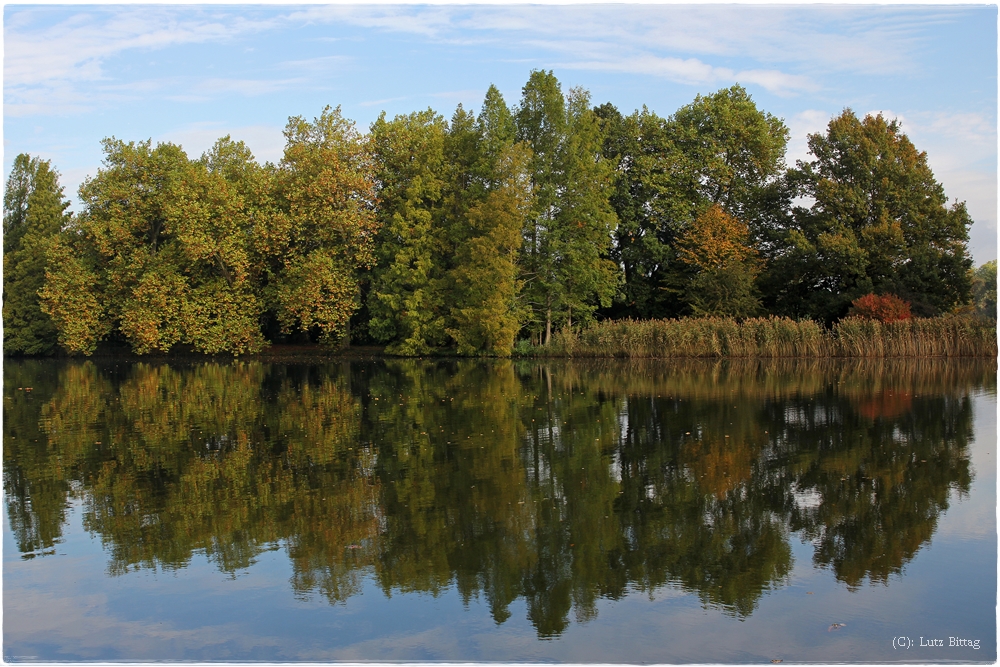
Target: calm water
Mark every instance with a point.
(475, 511)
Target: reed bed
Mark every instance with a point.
(921, 337)
(774, 337)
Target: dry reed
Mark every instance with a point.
(772, 337)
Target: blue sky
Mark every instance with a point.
(189, 74)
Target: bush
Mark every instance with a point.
(884, 308)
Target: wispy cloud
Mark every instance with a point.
(60, 58)
(814, 38)
(387, 100)
(64, 61)
(246, 87)
(75, 47)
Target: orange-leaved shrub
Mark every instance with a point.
(884, 308)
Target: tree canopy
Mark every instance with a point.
(879, 223)
(429, 234)
(34, 214)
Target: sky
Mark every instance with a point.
(189, 74)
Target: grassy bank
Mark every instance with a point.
(948, 336)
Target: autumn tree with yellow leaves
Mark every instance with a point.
(717, 248)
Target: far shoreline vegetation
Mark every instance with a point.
(550, 228)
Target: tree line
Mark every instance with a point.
(428, 234)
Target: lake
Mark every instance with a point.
(461, 510)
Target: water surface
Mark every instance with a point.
(466, 510)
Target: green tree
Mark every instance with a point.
(568, 236)
(879, 223)
(159, 255)
(733, 153)
(453, 198)
(323, 236)
(407, 302)
(720, 150)
(644, 239)
(490, 197)
(34, 213)
(984, 289)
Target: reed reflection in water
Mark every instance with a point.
(559, 483)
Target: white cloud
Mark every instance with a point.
(63, 64)
(695, 72)
(824, 39)
(59, 68)
(800, 126)
(375, 103)
(322, 64)
(247, 87)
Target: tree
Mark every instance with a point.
(491, 196)
(34, 213)
(879, 223)
(718, 248)
(733, 153)
(568, 236)
(324, 236)
(158, 255)
(407, 301)
(984, 289)
(644, 240)
(453, 198)
(720, 150)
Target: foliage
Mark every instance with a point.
(325, 232)
(718, 248)
(732, 152)
(407, 300)
(454, 197)
(880, 223)
(34, 213)
(462, 235)
(159, 254)
(984, 289)
(173, 251)
(884, 308)
(490, 200)
(720, 150)
(568, 235)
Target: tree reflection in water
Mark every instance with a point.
(559, 482)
